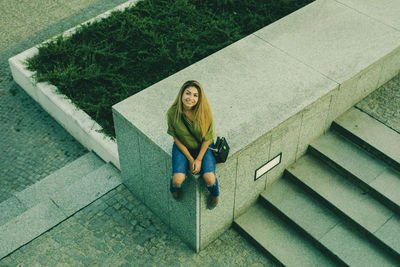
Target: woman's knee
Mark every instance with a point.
(177, 179)
(209, 178)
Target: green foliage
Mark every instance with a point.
(107, 61)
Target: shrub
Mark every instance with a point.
(104, 62)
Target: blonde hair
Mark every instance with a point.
(202, 111)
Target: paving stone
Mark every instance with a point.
(383, 104)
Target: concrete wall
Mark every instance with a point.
(272, 92)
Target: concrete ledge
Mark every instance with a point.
(73, 119)
(271, 92)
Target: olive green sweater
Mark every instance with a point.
(180, 131)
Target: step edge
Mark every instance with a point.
(30, 197)
(347, 218)
(370, 148)
(105, 170)
(309, 236)
(375, 193)
(283, 224)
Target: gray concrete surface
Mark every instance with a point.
(117, 229)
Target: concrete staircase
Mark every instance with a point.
(337, 205)
(40, 207)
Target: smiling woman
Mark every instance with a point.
(190, 123)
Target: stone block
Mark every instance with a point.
(332, 38)
(369, 79)
(155, 178)
(314, 122)
(249, 160)
(128, 145)
(184, 214)
(390, 67)
(284, 139)
(215, 222)
(385, 11)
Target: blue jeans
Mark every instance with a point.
(180, 165)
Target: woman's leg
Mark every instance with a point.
(179, 168)
(208, 171)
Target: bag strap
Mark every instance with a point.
(188, 128)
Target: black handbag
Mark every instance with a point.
(221, 147)
(220, 150)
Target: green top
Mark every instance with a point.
(180, 131)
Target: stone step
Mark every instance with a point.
(370, 134)
(375, 176)
(83, 192)
(279, 239)
(61, 178)
(369, 215)
(10, 208)
(29, 225)
(57, 204)
(40, 191)
(323, 226)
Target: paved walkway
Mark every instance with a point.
(116, 230)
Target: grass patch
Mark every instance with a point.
(105, 62)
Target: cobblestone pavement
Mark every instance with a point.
(384, 104)
(118, 230)
(32, 144)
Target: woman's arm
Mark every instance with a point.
(197, 162)
(185, 152)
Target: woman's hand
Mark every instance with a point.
(196, 166)
(191, 165)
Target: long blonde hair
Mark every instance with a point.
(202, 111)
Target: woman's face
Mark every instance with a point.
(190, 97)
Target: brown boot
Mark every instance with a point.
(213, 202)
(175, 195)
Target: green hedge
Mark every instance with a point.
(105, 62)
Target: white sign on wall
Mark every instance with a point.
(267, 166)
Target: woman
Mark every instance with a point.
(190, 123)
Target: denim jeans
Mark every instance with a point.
(180, 165)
